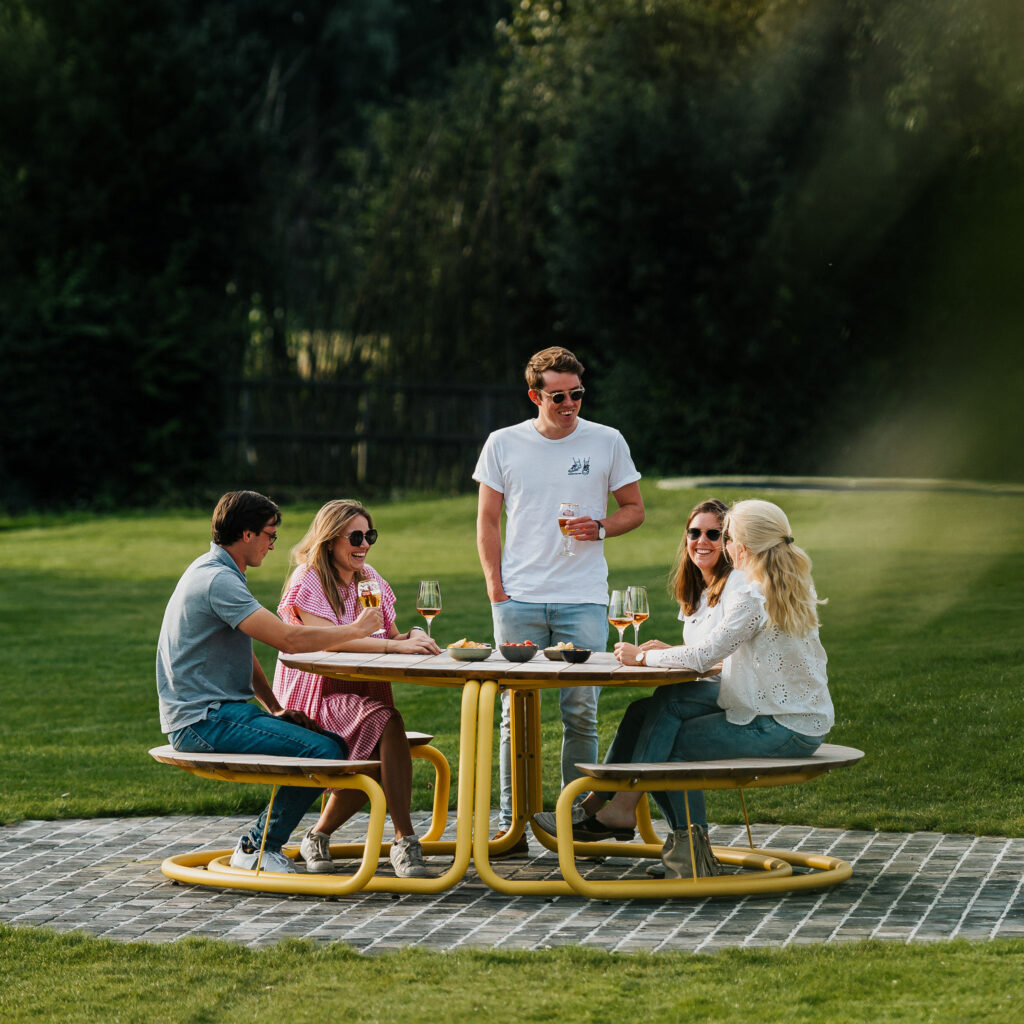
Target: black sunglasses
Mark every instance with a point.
(694, 534)
(355, 538)
(558, 397)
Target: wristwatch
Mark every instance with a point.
(641, 657)
(600, 530)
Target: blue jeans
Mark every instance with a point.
(684, 723)
(238, 727)
(585, 625)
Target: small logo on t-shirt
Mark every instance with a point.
(580, 467)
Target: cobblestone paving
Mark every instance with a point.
(103, 877)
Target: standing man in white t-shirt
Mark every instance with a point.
(536, 593)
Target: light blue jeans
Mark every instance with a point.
(238, 727)
(683, 722)
(585, 625)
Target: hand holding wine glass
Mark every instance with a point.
(567, 510)
(640, 608)
(428, 601)
(620, 614)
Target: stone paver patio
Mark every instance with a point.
(103, 877)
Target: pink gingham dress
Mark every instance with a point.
(357, 712)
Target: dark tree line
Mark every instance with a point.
(783, 235)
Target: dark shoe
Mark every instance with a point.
(590, 830)
(517, 849)
(546, 819)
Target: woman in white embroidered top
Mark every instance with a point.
(330, 562)
(773, 700)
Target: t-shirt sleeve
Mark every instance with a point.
(623, 471)
(488, 469)
(230, 599)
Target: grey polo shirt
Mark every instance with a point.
(202, 658)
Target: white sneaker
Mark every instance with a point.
(273, 860)
(407, 859)
(315, 850)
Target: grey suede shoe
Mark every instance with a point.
(677, 859)
(546, 819)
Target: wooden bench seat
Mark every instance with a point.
(758, 870)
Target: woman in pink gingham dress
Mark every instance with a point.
(323, 590)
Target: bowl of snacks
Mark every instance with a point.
(469, 650)
(555, 653)
(576, 655)
(523, 651)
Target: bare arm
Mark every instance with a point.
(488, 540)
(265, 626)
(413, 642)
(628, 516)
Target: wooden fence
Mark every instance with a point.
(381, 437)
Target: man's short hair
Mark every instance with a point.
(556, 358)
(239, 511)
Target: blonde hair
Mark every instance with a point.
(686, 584)
(780, 567)
(314, 550)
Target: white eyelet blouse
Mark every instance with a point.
(765, 671)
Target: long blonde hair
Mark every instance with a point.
(314, 550)
(774, 560)
(686, 584)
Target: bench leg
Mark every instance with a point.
(442, 789)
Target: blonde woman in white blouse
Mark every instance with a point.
(773, 700)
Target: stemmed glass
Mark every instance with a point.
(620, 614)
(567, 510)
(640, 608)
(428, 601)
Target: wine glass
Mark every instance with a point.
(567, 510)
(640, 608)
(620, 614)
(428, 601)
(369, 593)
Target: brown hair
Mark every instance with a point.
(687, 581)
(314, 550)
(558, 359)
(238, 511)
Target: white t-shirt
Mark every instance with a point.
(534, 474)
(766, 671)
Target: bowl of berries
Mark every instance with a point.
(523, 651)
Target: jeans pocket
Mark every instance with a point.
(188, 741)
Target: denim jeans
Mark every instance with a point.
(585, 625)
(685, 724)
(238, 727)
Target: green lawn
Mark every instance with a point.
(926, 597)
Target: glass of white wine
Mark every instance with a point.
(428, 601)
(620, 614)
(567, 510)
(640, 608)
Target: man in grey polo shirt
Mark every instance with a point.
(207, 673)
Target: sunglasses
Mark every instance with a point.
(355, 538)
(694, 534)
(558, 397)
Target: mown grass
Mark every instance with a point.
(202, 981)
(926, 594)
(922, 629)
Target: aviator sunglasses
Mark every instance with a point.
(694, 534)
(558, 397)
(355, 538)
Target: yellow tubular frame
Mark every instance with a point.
(211, 867)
